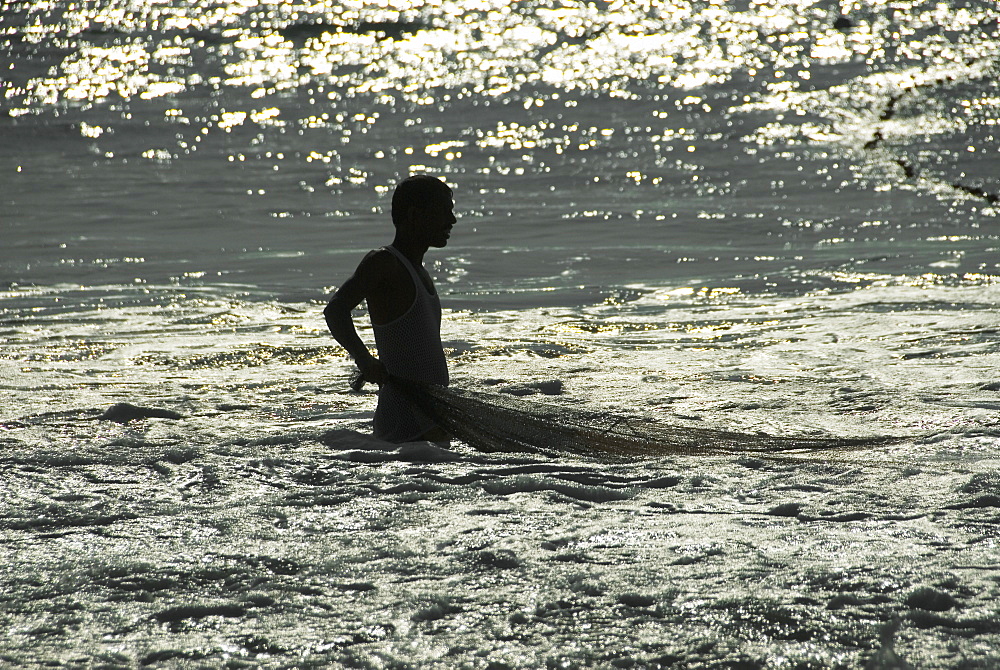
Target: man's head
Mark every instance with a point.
(422, 207)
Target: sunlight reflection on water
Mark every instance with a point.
(436, 52)
(704, 116)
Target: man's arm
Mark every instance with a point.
(338, 316)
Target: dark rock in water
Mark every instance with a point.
(501, 558)
(302, 31)
(549, 387)
(786, 509)
(930, 599)
(181, 612)
(843, 23)
(636, 600)
(123, 413)
(382, 29)
(988, 500)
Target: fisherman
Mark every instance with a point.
(404, 308)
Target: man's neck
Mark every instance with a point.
(414, 251)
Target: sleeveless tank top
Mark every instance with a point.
(409, 348)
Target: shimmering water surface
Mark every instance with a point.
(756, 216)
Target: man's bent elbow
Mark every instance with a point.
(336, 310)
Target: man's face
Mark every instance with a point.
(436, 220)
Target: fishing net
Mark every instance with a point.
(499, 422)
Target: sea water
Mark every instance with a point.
(752, 216)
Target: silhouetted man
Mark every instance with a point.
(404, 309)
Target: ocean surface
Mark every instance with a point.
(761, 217)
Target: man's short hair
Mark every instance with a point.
(417, 191)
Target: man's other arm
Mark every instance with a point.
(339, 320)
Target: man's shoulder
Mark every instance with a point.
(379, 259)
(380, 255)
(387, 285)
(381, 265)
